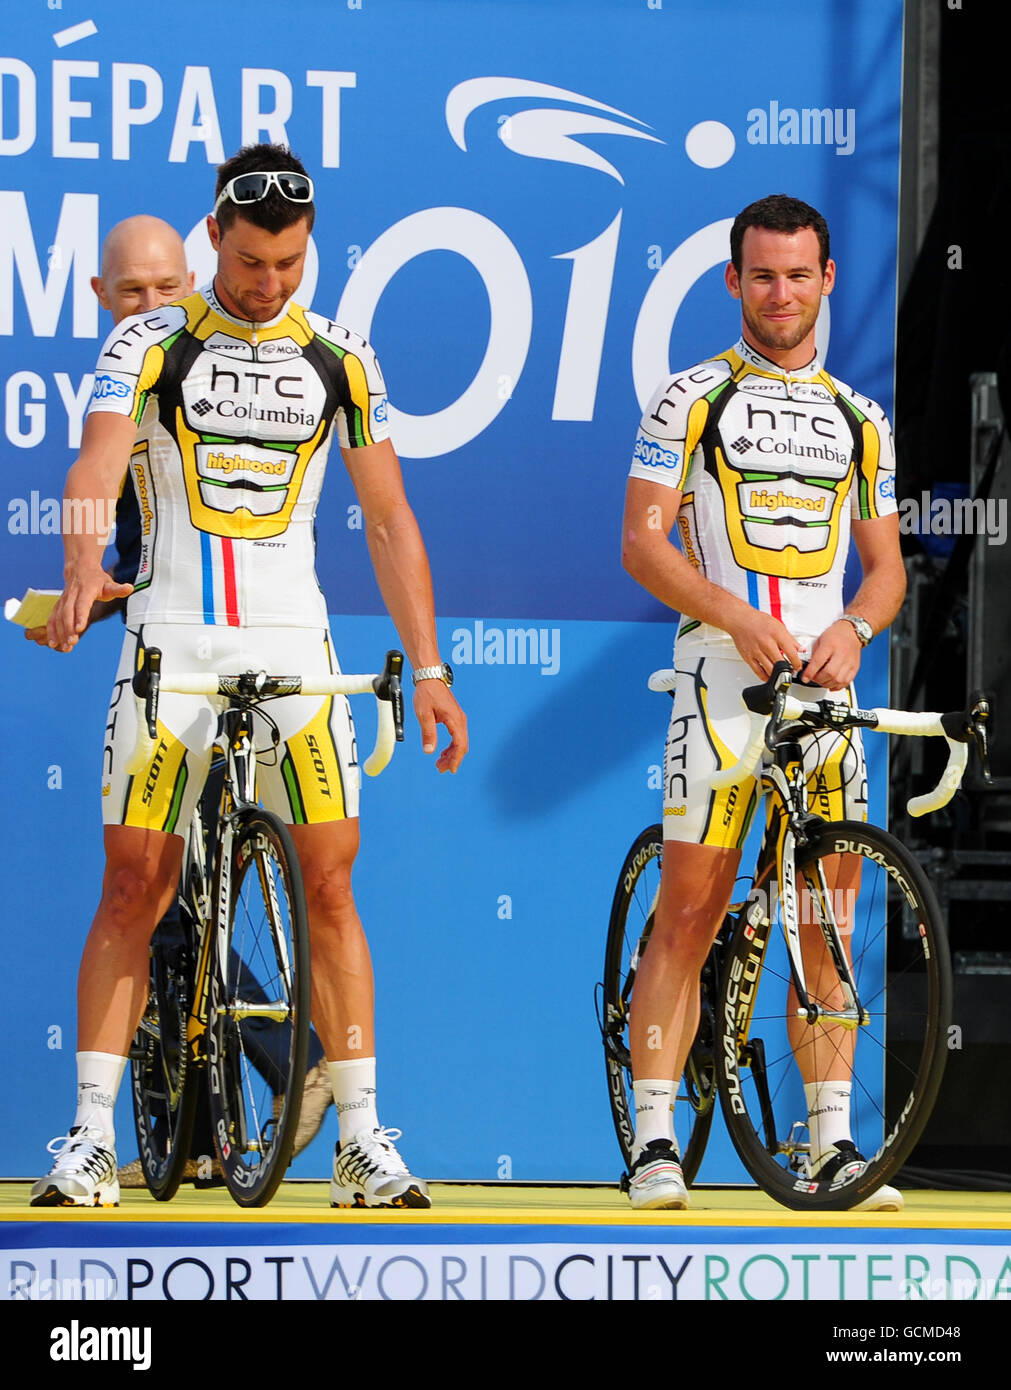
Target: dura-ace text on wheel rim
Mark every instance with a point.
(259, 1011)
(628, 935)
(901, 971)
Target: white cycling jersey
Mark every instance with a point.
(771, 466)
(235, 422)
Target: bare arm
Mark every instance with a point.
(91, 490)
(401, 565)
(835, 657)
(655, 562)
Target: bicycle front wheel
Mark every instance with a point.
(164, 1091)
(258, 1013)
(892, 933)
(628, 936)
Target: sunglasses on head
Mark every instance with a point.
(252, 188)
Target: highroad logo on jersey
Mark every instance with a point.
(244, 476)
(774, 501)
(230, 463)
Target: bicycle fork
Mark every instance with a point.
(791, 830)
(740, 996)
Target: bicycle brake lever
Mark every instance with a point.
(388, 687)
(970, 726)
(979, 714)
(760, 699)
(146, 685)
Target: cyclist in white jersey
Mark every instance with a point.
(242, 392)
(144, 267)
(766, 466)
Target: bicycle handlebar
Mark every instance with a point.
(770, 706)
(150, 681)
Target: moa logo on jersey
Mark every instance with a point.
(278, 347)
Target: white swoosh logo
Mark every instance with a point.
(544, 133)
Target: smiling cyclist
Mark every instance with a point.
(767, 466)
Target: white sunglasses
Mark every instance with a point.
(254, 187)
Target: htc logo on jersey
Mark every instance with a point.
(255, 378)
(796, 417)
(248, 394)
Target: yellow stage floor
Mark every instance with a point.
(503, 1204)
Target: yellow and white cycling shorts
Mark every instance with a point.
(708, 731)
(309, 776)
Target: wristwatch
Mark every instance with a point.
(442, 673)
(863, 628)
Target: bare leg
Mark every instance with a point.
(695, 887)
(825, 1052)
(141, 875)
(343, 995)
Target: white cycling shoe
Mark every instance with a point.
(655, 1181)
(368, 1172)
(849, 1162)
(84, 1174)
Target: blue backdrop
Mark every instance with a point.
(525, 207)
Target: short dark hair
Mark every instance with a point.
(779, 213)
(273, 213)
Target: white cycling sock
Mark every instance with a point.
(654, 1118)
(98, 1078)
(354, 1093)
(828, 1117)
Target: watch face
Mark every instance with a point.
(447, 673)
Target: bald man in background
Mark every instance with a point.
(143, 267)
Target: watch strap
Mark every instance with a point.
(432, 673)
(861, 626)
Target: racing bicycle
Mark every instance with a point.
(229, 986)
(838, 951)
